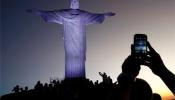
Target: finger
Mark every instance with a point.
(152, 54)
(132, 49)
(146, 63)
(147, 55)
(146, 58)
(150, 47)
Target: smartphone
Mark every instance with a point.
(140, 44)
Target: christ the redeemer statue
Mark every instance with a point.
(74, 22)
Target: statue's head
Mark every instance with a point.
(74, 4)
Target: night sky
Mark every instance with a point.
(33, 50)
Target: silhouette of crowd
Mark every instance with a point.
(78, 89)
(127, 87)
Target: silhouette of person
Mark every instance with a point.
(130, 69)
(129, 86)
(141, 90)
(21, 90)
(16, 89)
(38, 86)
(26, 88)
(104, 76)
(155, 63)
(96, 83)
(156, 97)
(109, 80)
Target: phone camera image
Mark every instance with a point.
(140, 41)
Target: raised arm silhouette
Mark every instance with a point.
(155, 63)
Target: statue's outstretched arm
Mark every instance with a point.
(96, 18)
(48, 16)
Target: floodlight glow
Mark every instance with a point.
(74, 22)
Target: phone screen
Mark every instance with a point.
(140, 41)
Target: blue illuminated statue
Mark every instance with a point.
(74, 22)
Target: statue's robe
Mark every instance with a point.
(74, 22)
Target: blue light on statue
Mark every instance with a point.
(74, 22)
